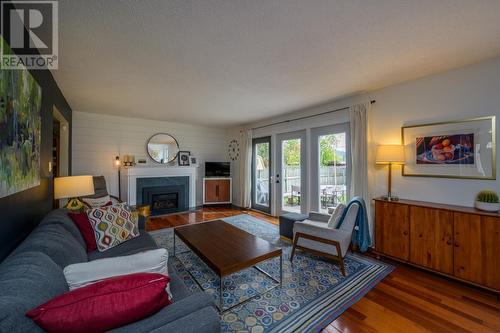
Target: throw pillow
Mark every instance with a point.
(334, 220)
(113, 225)
(86, 273)
(97, 202)
(104, 305)
(83, 224)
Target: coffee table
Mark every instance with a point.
(227, 249)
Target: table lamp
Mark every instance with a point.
(390, 154)
(72, 188)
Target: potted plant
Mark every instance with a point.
(488, 201)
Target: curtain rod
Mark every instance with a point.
(306, 117)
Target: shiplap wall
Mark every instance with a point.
(98, 139)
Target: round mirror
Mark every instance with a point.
(162, 148)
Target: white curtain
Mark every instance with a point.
(359, 151)
(360, 142)
(246, 169)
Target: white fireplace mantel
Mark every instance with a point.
(129, 177)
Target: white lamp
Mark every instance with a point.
(72, 188)
(390, 154)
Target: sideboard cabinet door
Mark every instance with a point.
(468, 253)
(392, 229)
(477, 249)
(431, 238)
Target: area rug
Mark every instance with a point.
(312, 295)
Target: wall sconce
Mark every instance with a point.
(117, 161)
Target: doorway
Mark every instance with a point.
(291, 172)
(261, 174)
(60, 147)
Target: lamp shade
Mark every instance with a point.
(73, 187)
(390, 154)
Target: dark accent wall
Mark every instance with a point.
(21, 212)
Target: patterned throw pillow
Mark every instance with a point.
(113, 225)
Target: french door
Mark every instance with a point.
(261, 174)
(330, 166)
(291, 172)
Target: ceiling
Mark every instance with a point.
(228, 62)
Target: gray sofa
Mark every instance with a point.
(33, 274)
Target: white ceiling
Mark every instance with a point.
(229, 62)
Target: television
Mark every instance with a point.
(217, 169)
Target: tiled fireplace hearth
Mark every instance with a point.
(165, 189)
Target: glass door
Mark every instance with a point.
(291, 172)
(331, 169)
(261, 174)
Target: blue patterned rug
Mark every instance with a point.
(313, 293)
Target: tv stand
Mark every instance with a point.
(217, 190)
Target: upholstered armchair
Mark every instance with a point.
(315, 236)
(100, 191)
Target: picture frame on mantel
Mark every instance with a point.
(183, 158)
(464, 149)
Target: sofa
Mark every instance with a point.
(33, 274)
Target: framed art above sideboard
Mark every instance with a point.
(453, 149)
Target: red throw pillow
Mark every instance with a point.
(83, 224)
(104, 305)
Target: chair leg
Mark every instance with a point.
(342, 267)
(295, 239)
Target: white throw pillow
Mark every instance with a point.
(97, 202)
(86, 273)
(335, 218)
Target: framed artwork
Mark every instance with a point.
(193, 160)
(454, 149)
(183, 158)
(20, 130)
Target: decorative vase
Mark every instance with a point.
(488, 206)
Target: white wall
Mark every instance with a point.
(466, 92)
(98, 139)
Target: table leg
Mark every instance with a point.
(281, 269)
(221, 303)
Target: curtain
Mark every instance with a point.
(359, 151)
(246, 169)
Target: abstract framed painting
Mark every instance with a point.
(20, 130)
(453, 149)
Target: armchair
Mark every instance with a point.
(100, 191)
(313, 235)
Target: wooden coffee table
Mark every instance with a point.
(227, 249)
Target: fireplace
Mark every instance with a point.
(166, 201)
(164, 194)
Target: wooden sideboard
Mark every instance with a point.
(460, 242)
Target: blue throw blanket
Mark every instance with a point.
(361, 234)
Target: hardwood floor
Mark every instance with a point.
(202, 215)
(408, 300)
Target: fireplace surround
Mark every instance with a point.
(164, 194)
(163, 186)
